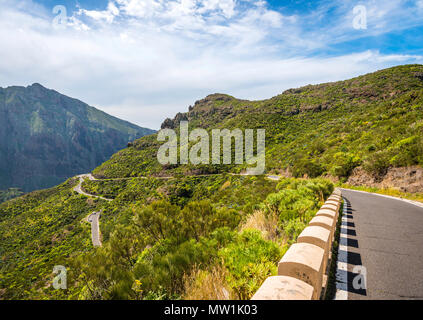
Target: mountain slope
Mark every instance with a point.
(374, 121)
(46, 137)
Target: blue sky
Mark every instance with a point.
(145, 60)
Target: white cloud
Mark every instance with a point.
(226, 6)
(147, 60)
(107, 15)
(140, 8)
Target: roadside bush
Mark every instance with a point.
(199, 218)
(164, 265)
(296, 203)
(249, 260)
(293, 228)
(207, 284)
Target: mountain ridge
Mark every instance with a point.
(301, 119)
(47, 137)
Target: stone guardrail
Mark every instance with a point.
(302, 271)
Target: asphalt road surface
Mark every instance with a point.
(79, 190)
(95, 228)
(385, 236)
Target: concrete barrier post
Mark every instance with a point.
(330, 207)
(327, 223)
(327, 213)
(304, 261)
(318, 236)
(335, 198)
(333, 202)
(284, 288)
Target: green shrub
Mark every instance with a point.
(250, 260)
(377, 163)
(310, 167)
(296, 203)
(344, 164)
(164, 265)
(406, 152)
(292, 229)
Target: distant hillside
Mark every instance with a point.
(11, 193)
(373, 121)
(46, 137)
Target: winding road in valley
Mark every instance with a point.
(93, 217)
(79, 190)
(385, 236)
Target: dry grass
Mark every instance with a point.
(389, 192)
(2, 293)
(267, 224)
(225, 185)
(207, 284)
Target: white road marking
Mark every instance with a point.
(416, 203)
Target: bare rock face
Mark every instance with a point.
(167, 124)
(406, 179)
(360, 177)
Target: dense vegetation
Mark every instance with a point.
(38, 231)
(200, 232)
(9, 194)
(374, 121)
(235, 238)
(158, 235)
(46, 137)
